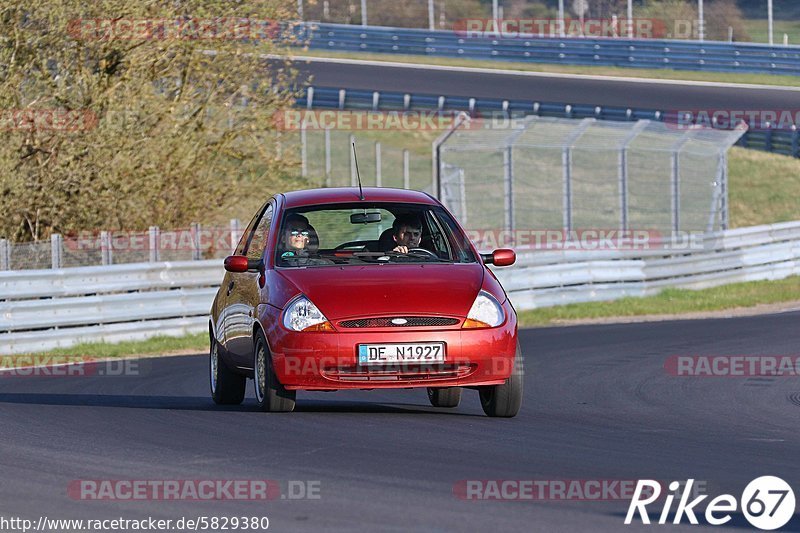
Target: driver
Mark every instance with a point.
(406, 233)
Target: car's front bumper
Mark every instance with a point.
(328, 360)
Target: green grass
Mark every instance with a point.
(758, 30)
(102, 350)
(764, 188)
(659, 74)
(672, 301)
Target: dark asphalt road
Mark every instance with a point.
(598, 405)
(652, 94)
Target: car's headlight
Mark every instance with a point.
(486, 312)
(302, 315)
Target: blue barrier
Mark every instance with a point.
(709, 56)
(779, 141)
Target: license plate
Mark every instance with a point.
(411, 352)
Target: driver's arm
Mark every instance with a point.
(401, 249)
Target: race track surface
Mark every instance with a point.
(573, 90)
(598, 405)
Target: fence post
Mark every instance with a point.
(508, 189)
(768, 138)
(327, 157)
(195, 230)
(566, 165)
(303, 150)
(795, 141)
(675, 188)
(56, 250)
(234, 233)
(623, 188)
(310, 98)
(378, 177)
(724, 191)
(406, 175)
(154, 234)
(5, 254)
(105, 248)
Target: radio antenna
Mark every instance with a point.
(355, 160)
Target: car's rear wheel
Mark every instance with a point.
(270, 394)
(504, 400)
(444, 396)
(227, 387)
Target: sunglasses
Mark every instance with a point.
(297, 233)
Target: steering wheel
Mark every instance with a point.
(424, 251)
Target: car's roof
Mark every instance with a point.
(350, 195)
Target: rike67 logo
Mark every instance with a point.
(767, 503)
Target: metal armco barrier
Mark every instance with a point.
(783, 141)
(708, 56)
(45, 309)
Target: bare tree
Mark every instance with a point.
(116, 114)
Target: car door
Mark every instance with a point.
(228, 282)
(244, 294)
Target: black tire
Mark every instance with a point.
(227, 387)
(444, 396)
(270, 394)
(505, 400)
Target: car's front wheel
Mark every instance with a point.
(444, 396)
(270, 394)
(504, 400)
(227, 387)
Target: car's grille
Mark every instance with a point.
(400, 372)
(410, 321)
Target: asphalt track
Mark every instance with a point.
(648, 94)
(598, 405)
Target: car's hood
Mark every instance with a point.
(375, 290)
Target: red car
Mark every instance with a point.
(334, 289)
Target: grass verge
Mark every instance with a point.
(764, 188)
(102, 350)
(654, 74)
(672, 302)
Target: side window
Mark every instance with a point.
(438, 239)
(245, 238)
(258, 241)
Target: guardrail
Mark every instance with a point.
(614, 52)
(779, 141)
(547, 278)
(45, 309)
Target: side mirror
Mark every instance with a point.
(240, 263)
(502, 257)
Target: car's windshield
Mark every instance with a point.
(370, 233)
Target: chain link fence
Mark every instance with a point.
(552, 173)
(92, 248)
